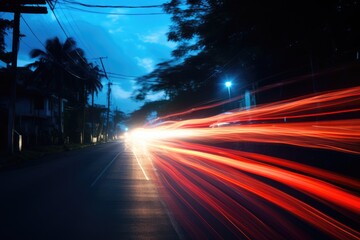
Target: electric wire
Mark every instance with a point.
(114, 13)
(71, 73)
(109, 6)
(25, 44)
(62, 28)
(32, 31)
(88, 46)
(74, 31)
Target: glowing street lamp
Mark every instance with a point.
(228, 85)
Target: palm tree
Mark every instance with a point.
(93, 81)
(90, 83)
(93, 86)
(56, 69)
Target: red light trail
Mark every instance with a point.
(218, 192)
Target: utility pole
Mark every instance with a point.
(13, 70)
(108, 100)
(102, 64)
(92, 104)
(108, 110)
(17, 7)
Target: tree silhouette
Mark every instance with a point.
(4, 26)
(93, 86)
(252, 40)
(55, 70)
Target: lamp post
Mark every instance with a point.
(228, 85)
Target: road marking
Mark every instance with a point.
(142, 169)
(103, 171)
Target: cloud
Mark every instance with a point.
(155, 96)
(146, 63)
(158, 37)
(115, 18)
(120, 93)
(152, 37)
(116, 30)
(22, 63)
(141, 47)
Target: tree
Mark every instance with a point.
(55, 68)
(93, 81)
(99, 117)
(93, 85)
(4, 26)
(118, 117)
(251, 41)
(183, 84)
(139, 117)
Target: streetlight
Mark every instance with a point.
(228, 85)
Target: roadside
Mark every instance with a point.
(33, 154)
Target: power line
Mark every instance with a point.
(120, 78)
(71, 73)
(32, 31)
(114, 13)
(102, 64)
(42, 45)
(123, 75)
(57, 20)
(73, 29)
(88, 46)
(109, 6)
(62, 28)
(25, 43)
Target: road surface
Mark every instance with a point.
(98, 192)
(109, 192)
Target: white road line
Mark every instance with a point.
(142, 169)
(103, 171)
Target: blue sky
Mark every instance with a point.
(133, 44)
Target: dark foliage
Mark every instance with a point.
(62, 69)
(258, 43)
(4, 26)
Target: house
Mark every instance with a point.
(36, 110)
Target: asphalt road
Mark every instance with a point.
(98, 192)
